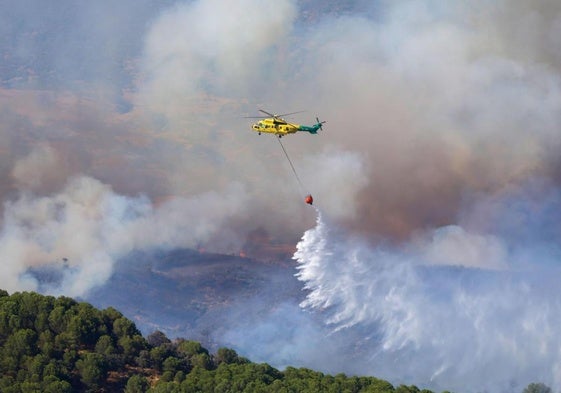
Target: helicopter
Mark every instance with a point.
(275, 124)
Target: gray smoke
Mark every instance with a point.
(83, 230)
(436, 175)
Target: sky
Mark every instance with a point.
(436, 178)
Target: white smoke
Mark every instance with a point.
(463, 309)
(429, 104)
(208, 47)
(36, 168)
(82, 230)
(336, 176)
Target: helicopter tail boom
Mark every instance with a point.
(313, 129)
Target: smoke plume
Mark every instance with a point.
(437, 173)
(82, 231)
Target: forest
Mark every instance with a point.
(50, 344)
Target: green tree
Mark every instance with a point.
(167, 376)
(179, 376)
(201, 360)
(226, 355)
(380, 386)
(171, 364)
(109, 316)
(57, 386)
(537, 388)
(20, 344)
(198, 380)
(45, 343)
(69, 359)
(31, 306)
(84, 327)
(123, 327)
(407, 389)
(189, 348)
(92, 369)
(104, 346)
(131, 346)
(159, 354)
(170, 387)
(30, 387)
(143, 359)
(36, 365)
(55, 369)
(137, 384)
(5, 314)
(5, 382)
(58, 319)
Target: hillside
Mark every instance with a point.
(50, 344)
(188, 292)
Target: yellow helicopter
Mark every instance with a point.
(275, 124)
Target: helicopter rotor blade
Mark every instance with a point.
(267, 113)
(277, 116)
(291, 113)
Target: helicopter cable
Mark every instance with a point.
(291, 165)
